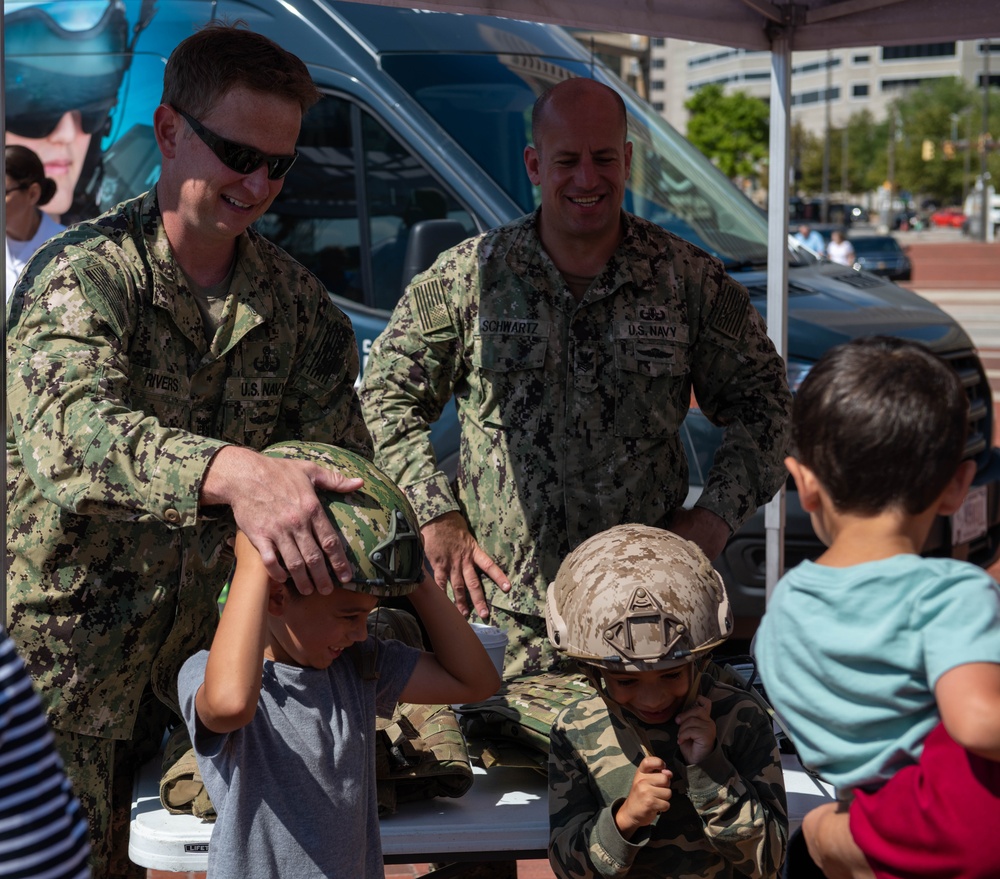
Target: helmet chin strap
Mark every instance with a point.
(596, 679)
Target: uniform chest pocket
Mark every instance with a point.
(653, 387)
(511, 375)
(164, 395)
(251, 408)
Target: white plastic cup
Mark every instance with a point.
(495, 642)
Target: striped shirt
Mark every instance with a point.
(43, 834)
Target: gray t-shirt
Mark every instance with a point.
(295, 788)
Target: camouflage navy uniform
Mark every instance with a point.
(117, 406)
(570, 412)
(727, 817)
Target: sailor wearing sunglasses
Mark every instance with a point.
(152, 352)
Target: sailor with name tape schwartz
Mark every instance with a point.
(572, 340)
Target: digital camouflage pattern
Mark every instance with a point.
(117, 405)
(377, 526)
(728, 815)
(570, 412)
(637, 598)
(519, 716)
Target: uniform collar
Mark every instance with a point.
(529, 261)
(251, 284)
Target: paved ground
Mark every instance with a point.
(963, 278)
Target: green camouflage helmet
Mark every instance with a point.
(376, 523)
(636, 598)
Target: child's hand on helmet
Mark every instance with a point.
(696, 733)
(648, 797)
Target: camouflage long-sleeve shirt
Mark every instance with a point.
(570, 413)
(117, 406)
(728, 815)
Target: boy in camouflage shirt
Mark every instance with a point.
(663, 771)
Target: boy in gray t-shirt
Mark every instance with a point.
(282, 709)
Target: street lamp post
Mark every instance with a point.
(984, 201)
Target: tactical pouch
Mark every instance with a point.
(512, 727)
(420, 753)
(182, 791)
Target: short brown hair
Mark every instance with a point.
(882, 422)
(220, 57)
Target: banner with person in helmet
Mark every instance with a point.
(80, 77)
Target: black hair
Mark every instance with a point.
(24, 166)
(882, 423)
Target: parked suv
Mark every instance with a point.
(417, 143)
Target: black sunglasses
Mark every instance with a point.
(17, 188)
(42, 123)
(237, 156)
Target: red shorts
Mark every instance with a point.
(938, 819)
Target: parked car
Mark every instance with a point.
(951, 217)
(418, 143)
(881, 255)
(906, 218)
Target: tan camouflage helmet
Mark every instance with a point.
(636, 598)
(376, 523)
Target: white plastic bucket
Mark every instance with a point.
(495, 642)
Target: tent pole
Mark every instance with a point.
(777, 267)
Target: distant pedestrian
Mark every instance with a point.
(810, 238)
(840, 250)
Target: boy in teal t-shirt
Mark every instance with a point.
(885, 666)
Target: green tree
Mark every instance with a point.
(865, 142)
(731, 129)
(925, 115)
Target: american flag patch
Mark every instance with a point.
(432, 305)
(729, 316)
(96, 277)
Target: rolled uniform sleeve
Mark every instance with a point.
(738, 792)
(741, 385)
(414, 367)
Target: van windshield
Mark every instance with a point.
(484, 102)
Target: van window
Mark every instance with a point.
(349, 220)
(485, 101)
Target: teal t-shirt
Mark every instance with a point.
(850, 656)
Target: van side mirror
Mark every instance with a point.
(427, 239)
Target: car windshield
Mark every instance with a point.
(484, 101)
(875, 245)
